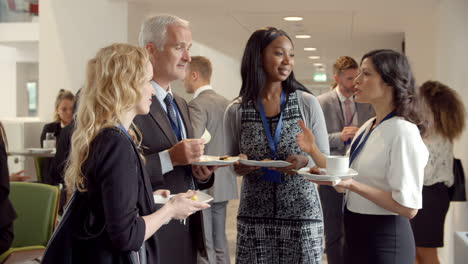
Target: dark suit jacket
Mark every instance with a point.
(120, 191)
(7, 213)
(158, 136)
(335, 120)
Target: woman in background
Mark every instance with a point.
(62, 117)
(446, 116)
(280, 217)
(389, 154)
(105, 163)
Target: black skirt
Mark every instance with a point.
(382, 239)
(428, 224)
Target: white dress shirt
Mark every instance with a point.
(354, 112)
(166, 163)
(201, 89)
(393, 160)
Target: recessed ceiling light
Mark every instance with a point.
(293, 18)
(302, 36)
(314, 57)
(310, 49)
(317, 64)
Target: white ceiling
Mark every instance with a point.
(338, 27)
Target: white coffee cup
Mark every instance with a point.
(337, 165)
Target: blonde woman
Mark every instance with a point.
(105, 165)
(447, 118)
(63, 114)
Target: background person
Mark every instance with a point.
(446, 116)
(207, 112)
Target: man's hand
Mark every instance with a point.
(203, 173)
(348, 133)
(18, 176)
(186, 151)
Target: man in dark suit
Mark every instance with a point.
(343, 116)
(168, 143)
(207, 112)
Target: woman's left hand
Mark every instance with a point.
(297, 162)
(341, 186)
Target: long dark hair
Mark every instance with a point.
(394, 69)
(253, 75)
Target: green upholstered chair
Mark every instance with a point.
(36, 205)
(38, 164)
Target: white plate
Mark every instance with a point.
(201, 196)
(324, 176)
(266, 164)
(40, 150)
(215, 161)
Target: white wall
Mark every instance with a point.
(25, 72)
(226, 78)
(71, 32)
(7, 81)
(451, 56)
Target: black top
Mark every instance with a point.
(120, 192)
(7, 213)
(53, 127)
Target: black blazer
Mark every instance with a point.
(158, 136)
(7, 213)
(120, 192)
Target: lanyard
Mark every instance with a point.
(269, 175)
(355, 149)
(126, 133)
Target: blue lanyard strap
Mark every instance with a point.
(269, 175)
(355, 149)
(126, 132)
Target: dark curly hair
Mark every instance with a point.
(252, 72)
(394, 69)
(447, 112)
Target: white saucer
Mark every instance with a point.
(208, 160)
(323, 176)
(202, 197)
(266, 164)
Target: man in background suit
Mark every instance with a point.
(343, 117)
(168, 143)
(207, 112)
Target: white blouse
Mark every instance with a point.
(393, 160)
(439, 168)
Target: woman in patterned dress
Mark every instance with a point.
(280, 217)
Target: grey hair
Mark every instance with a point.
(154, 29)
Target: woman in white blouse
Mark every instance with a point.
(390, 155)
(447, 119)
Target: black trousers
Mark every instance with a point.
(378, 239)
(6, 237)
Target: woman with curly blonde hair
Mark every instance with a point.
(105, 166)
(446, 119)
